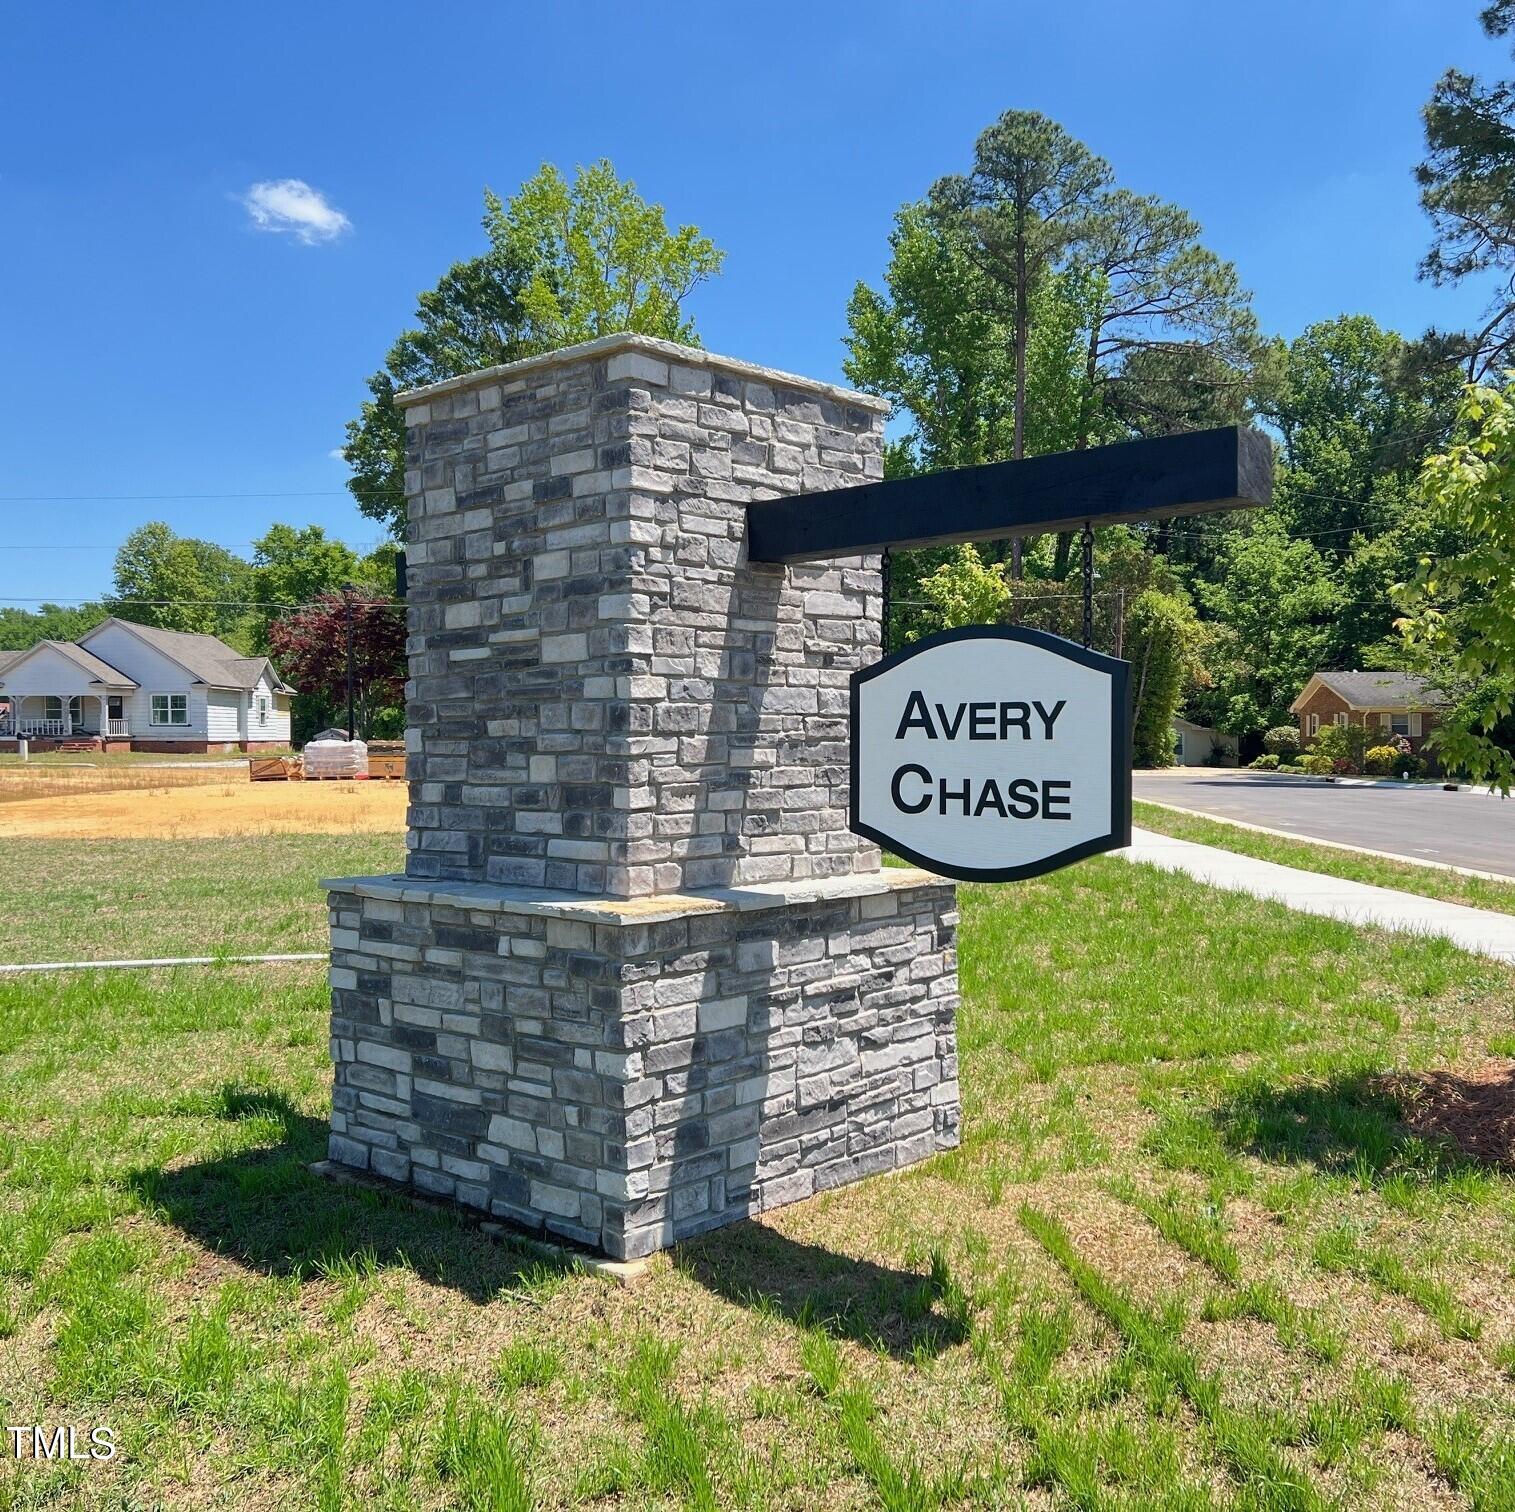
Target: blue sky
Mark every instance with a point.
(157, 341)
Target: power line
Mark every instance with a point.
(109, 601)
(223, 545)
(154, 498)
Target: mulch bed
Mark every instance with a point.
(1473, 1107)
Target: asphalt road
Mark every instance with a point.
(1462, 828)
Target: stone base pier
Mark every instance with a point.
(640, 978)
(628, 1074)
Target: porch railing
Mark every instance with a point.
(38, 729)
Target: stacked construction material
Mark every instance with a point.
(332, 755)
(386, 760)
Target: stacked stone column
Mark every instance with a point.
(639, 979)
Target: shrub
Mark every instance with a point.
(1161, 636)
(1342, 767)
(1342, 743)
(1281, 740)
(1408, 765)
(1379, 760)
(1317, 765)
(1265, 764)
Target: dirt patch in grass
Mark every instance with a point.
(1473, 1107)
(197, 809)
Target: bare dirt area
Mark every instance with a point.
(20, 782)
(200, 809)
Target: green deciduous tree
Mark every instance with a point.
(1460, 625)
(566, 261)
(1356, 407)
(601, 258)
(931, 341)
(1274, 602)
(181, 583)
(964, 590)
(295, 565)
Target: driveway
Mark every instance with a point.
(1461, 829)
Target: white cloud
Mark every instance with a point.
(292, 205)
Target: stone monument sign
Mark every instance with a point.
(644, 974)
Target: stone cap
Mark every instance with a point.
(488, 897)
(654, 351)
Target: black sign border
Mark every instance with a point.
(1119, 673)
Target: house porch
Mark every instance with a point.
(66, 717)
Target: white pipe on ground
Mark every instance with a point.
(236, 960)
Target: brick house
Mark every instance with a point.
(1398, 703)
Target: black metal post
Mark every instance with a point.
(886, 565)
(1088, 584)
(347, 622)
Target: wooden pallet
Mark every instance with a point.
(386, 767)
(273, 769)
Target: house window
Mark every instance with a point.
(1400, 724)
(1341, 721)
(261, 705)
(1312, 724)
(170, 708)
(52, 708)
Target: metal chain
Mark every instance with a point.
(1088, 584)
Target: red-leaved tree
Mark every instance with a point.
(309, 646)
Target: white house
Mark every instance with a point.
(122, 686)
(1199, 745)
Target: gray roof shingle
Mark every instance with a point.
(1384, 690)
(206, 658)
(98, 671)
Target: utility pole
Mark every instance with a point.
(347, 592)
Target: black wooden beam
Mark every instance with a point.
(1197, 473)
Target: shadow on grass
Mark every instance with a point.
(265, 1209)
(899, 1311)
(1428, 1128)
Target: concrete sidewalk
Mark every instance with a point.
(1475, 929)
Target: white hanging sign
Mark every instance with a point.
(992, 753)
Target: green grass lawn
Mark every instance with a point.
(1187, 1255)
(99, 900)
(1406, 876)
